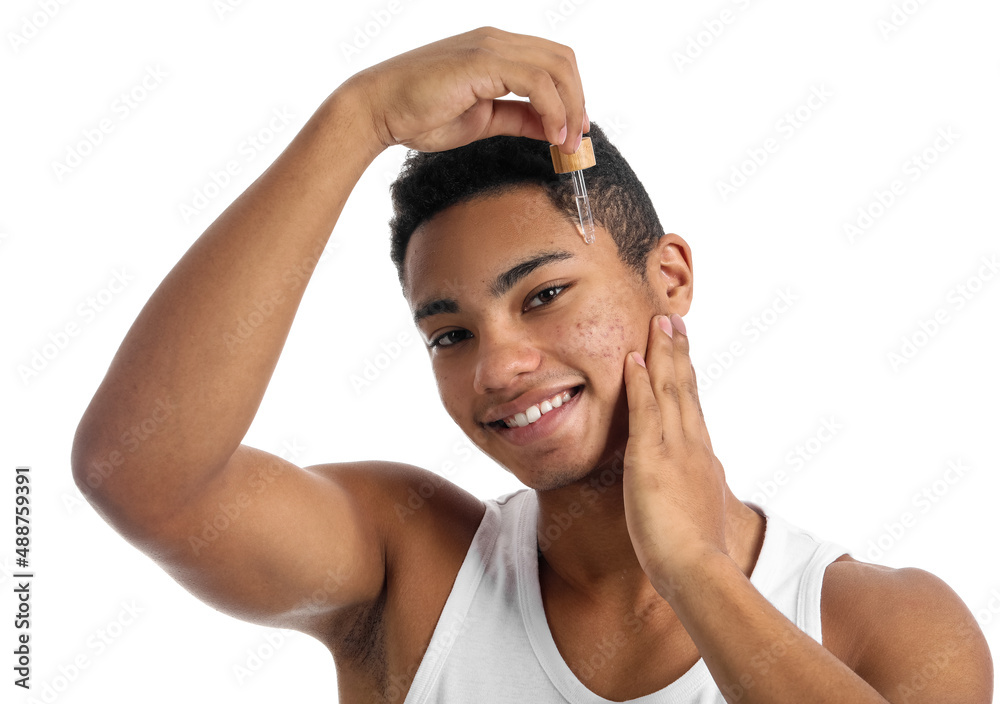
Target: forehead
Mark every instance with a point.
(464, 247)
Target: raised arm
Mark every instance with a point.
(158, 450)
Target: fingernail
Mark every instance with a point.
(678, 323)
(638, 359)
(664, 323)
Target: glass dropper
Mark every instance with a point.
(574, 164)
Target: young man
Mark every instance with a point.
(627, 567)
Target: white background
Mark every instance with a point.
(683, 127)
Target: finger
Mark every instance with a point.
(692, 418)
(529, 81)
(663, 375)
(644, 424)
(516, 118)
(560, 63)
(708, 438)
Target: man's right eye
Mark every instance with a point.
(450, 338)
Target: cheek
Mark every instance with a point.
(602, 338)
(599, 332)
(449, 393)
(607, 328)
(455, 394)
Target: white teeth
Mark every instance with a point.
(533, 413)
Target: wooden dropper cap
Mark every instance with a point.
(582, 158)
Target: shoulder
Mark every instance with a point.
(405, 502)
(905, 632)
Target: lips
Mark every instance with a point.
(534, 412)
(546, 425)
(529, 407)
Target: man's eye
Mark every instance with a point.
(545, 296)
(450, 338)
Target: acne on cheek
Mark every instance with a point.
(599, 337)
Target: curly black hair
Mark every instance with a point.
(430, 182)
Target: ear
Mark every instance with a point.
(670, 274)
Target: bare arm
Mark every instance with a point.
(187, 365)
(158, 450)
(911, 639)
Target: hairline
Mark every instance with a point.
(495, 191)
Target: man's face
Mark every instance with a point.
(519, 312)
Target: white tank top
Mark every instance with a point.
(492, 641)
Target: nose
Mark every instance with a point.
(501, 359)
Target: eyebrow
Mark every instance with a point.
(501, 284)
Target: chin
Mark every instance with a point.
(575, 459)
(558, 473)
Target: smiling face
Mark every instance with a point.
(522, 317)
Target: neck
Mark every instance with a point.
(586, 552)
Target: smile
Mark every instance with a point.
(532, 414)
